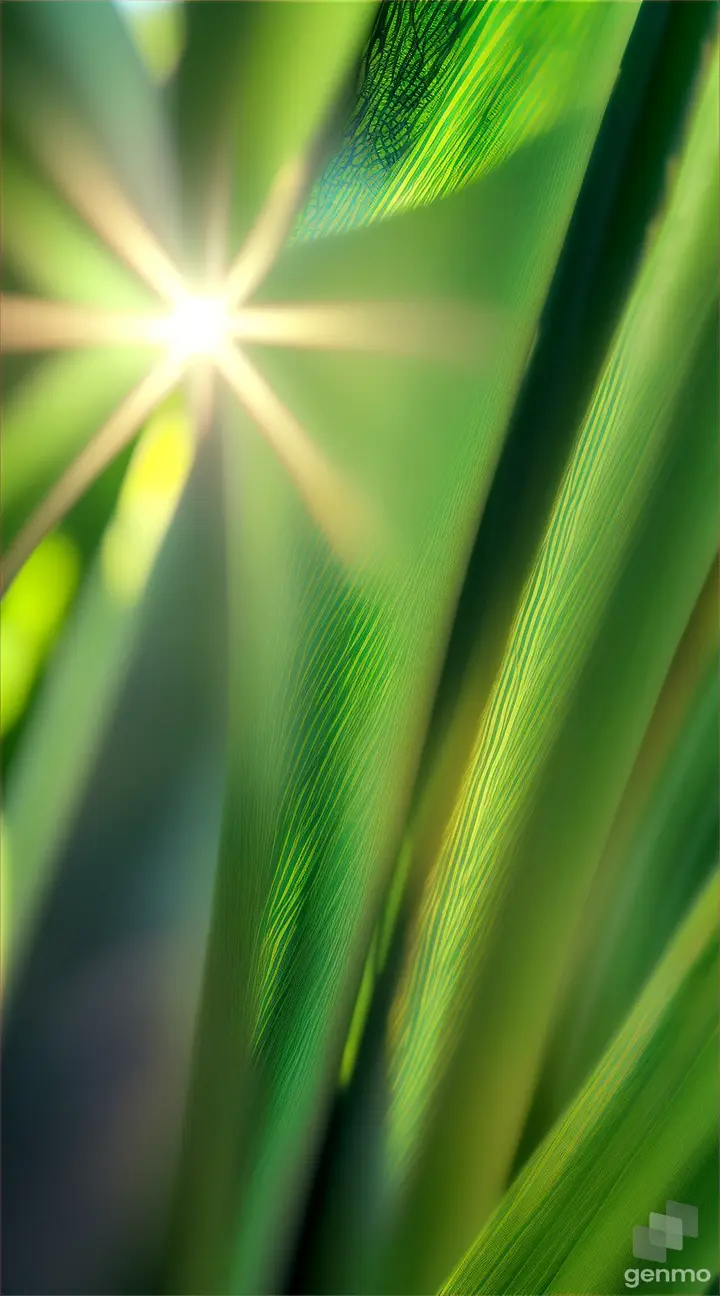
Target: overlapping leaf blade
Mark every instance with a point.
(643, 1127)
(662, 845)
(233, 138)
(320, 773)
(508, 878)
(59, 60)
(339, 615)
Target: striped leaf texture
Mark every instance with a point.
(359, 646)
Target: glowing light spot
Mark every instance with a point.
(199, 326)
(150, 493)
(32, 616)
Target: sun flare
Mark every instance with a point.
(206, 333)
(199, 326)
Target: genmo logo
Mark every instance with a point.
(665, 1233)
(633, 1277)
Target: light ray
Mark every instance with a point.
(197, 327)
(97, 454)
(202, 389)
(91, 189)
(269, 233)
(336, 509)
(218, 221)
(196, 336)
(35, 324)
(440, 331)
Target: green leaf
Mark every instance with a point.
(333, 665)
(538, 798)
(50, 250)
(635, 1135)
(51, 414)
(386, 332)
(49, 777)
(234, 137)
(662, 845)
(60, 61)
(504, 79)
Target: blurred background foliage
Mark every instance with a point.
(359, 921)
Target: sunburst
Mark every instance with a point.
(204, 331)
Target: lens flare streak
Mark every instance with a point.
(268, 234)
(195, 337)
(97, 454)
(328, 499)
(29, 324)
(92, 190)
(444, 331)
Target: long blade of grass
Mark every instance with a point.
(505, 879)
(633, 1137)
(332, 667)
(49, 775)
(113, 811)
(662, 845)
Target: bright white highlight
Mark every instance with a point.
(199, 326)
(196, 336)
